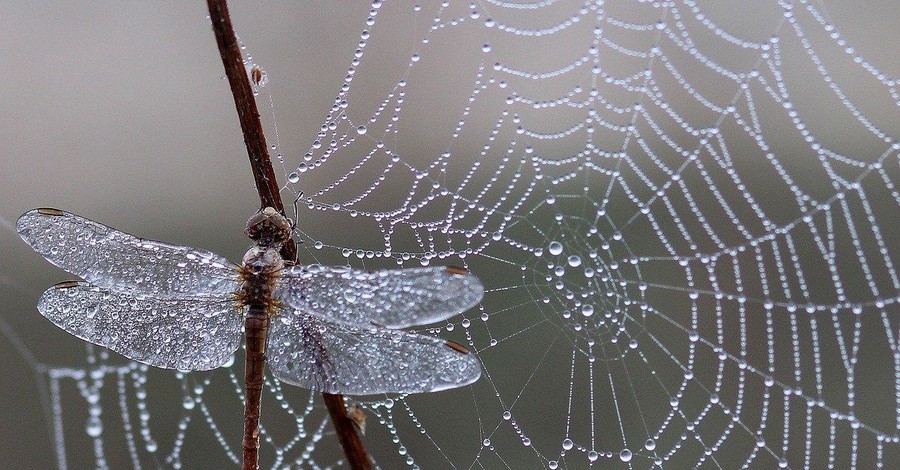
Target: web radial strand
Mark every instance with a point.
(683, 214)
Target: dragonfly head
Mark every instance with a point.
(268, 228)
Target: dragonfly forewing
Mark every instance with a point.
(393, 298)
(186, 333)
(124, 263)
(326, 356)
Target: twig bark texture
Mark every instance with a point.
(269, 196)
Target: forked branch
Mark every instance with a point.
(269, 195)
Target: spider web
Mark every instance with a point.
(682, 216)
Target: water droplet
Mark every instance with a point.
(574, 261)
(587, 310)
(555, 248)
(625, 455)
(486, 48)
(293, 177)
(361, 130)
(94, 427)
(650, 444)
(568, 444)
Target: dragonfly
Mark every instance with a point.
(327, 328)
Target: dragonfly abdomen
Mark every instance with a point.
(256, 326)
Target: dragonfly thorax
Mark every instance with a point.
(260, 268)
(268, 228)
(262, 260)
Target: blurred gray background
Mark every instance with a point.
(118, 112)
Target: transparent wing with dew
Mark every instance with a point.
(311, 352)
(393, 298)
(185, 333)
(124, 263)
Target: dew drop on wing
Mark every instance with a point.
(229, 362)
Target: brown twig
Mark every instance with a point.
(269, 195)
(346, 432)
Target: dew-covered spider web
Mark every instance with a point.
(684, 214)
